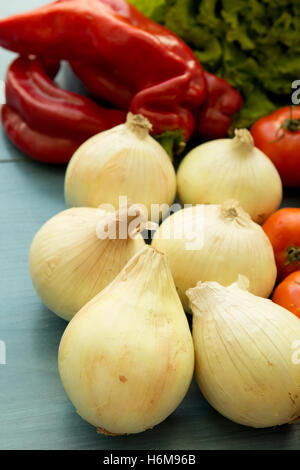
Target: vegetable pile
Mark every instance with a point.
(254, 44)
(126, 358)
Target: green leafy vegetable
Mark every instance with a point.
(172, 141)
(154, 9)
(254, 44)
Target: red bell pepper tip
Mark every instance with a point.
(182, 120)
(212, 124)
(220, 92)
(159, 105)
(213, 118)
(35, 144)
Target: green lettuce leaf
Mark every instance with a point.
(154, 9)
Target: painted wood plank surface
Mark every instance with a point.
(34, 410)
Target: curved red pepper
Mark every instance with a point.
(37, 145)
(46, 122)
(159, 67)
(103, 82)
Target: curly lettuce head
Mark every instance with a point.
(254, 44)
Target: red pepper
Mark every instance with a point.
(103, 82)
(51, 67)
(93, 75)
(213, 118)
(165, 77)
(39, 146)
(129, 61)
(48, 123)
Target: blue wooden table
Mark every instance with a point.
(34, 411)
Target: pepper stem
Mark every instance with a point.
(290, 124)
(292, 255)
(138, 124)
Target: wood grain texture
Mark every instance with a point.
(35, 413)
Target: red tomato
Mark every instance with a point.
(278, 136)
(287, 294)
(283, 230)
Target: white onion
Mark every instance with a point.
(216, 243)
(231, 169)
